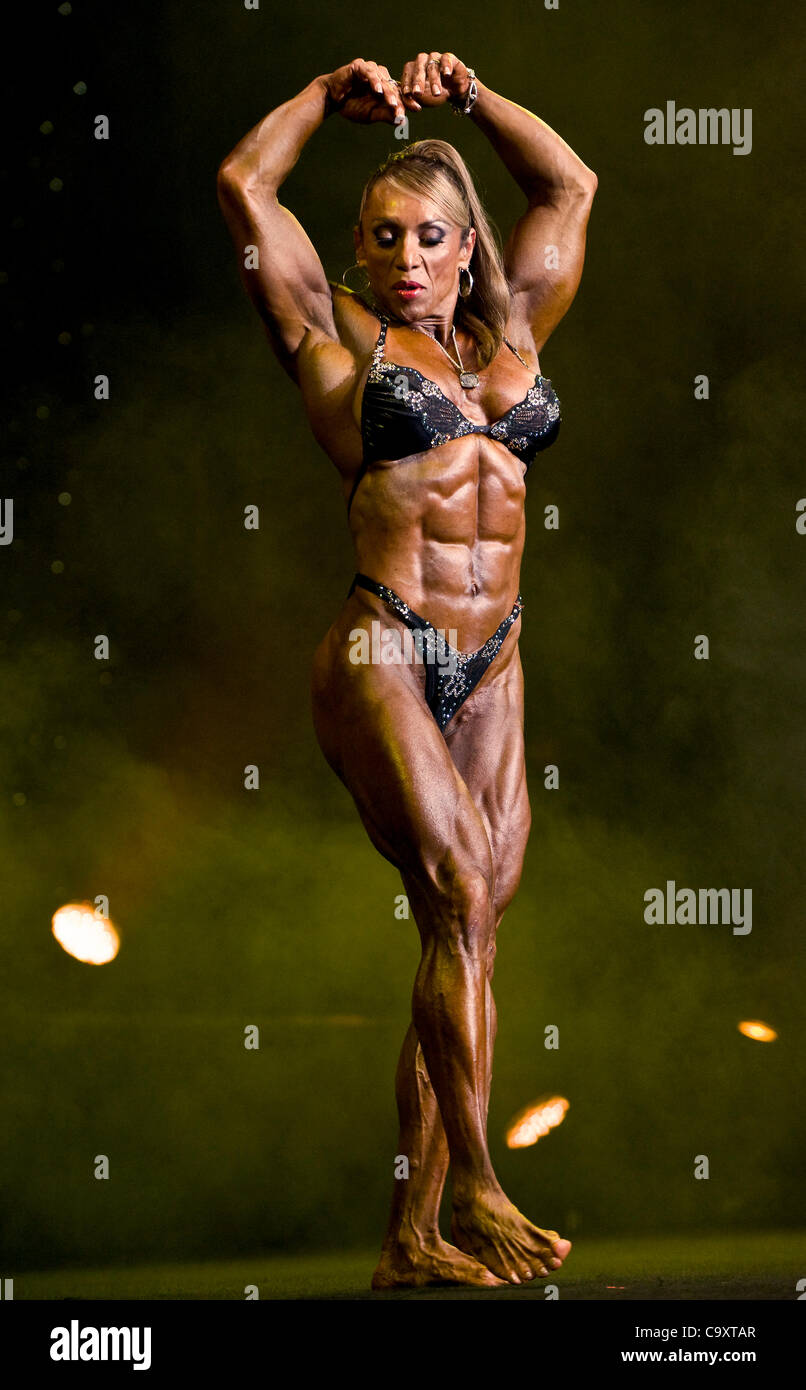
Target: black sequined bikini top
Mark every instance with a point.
(404, 412)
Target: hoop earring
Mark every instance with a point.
(355, 266)
(465, 286)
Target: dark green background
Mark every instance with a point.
(270, 907)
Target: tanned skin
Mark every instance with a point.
(445, 530)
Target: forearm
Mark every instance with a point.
(268, 153)
(538, 159)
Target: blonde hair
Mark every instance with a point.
(434, 169)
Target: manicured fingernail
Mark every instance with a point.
(416, 87)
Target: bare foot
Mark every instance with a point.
(492, 1230)
(430, 1261)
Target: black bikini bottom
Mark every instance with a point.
(450, 675)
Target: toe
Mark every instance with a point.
(529, 1264)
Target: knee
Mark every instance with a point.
(461, 899)
(472, 900)
(506, 886)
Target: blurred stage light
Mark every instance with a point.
(757, 1030)
(85, 935)
(535, 1120)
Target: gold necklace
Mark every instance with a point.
(467, 380)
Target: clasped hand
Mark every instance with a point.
(364, 91)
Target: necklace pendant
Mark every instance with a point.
(468, 380)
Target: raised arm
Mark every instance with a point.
(279, 267)
(545, 251)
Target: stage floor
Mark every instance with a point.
(745, 1266)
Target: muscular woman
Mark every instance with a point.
(426, 393)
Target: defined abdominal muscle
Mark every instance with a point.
(462, 493)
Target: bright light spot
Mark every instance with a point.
(535, 1120)
(755, 1029)
(84, 934)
